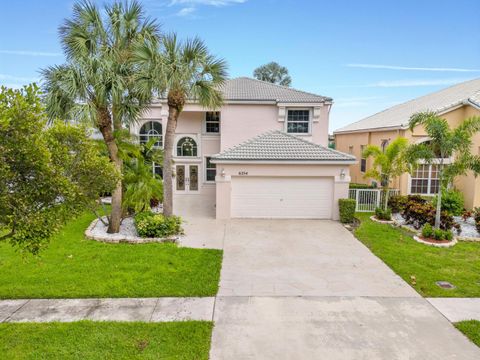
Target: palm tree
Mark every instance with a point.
(387, 164)
(183, 71)
(98, 83)
(445, 143)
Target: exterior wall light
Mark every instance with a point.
(222, 172)
(342, 174)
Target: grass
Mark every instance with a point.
(470, 329)
(73, 267)
(459, 264)
(105, 340)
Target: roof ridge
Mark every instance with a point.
(283, 87)
(317, 145)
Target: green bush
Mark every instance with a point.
(452, 202)
(381, 214)
(397, 203)
(427, 231)
(151, 225)
(361, 186)
(347, 210)
(418, 212)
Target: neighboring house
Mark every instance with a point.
(455, 104)
(263, 154)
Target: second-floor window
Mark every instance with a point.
(363, 161)
(186, 147)
(298, 121)
(212, 122)
(151, 130)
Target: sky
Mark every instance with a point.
(367, 55)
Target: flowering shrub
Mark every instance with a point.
(151, 225)
(419, 212)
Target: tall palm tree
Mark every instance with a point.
(387, 164)
(98, 83)
(445, 143)
(183, 71)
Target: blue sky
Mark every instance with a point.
(368, 55)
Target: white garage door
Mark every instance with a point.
(282, 197)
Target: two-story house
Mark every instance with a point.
(263, 154)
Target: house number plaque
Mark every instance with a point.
(243, 173)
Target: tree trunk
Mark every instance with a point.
(385, 198)
(438, 211)
(105, 126)
(173, 114)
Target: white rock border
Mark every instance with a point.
(119, 238)
(468, 239)
(453, 242)
(373, 218)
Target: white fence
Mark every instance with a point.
(369, 199)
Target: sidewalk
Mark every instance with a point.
(457, 309)
(67, 310)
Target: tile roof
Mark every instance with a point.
(398, 116)
(279, 146)
(244, 89)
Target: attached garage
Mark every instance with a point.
(280, 176)
(281, 197)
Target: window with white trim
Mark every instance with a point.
(424, 180)
(363, 161)
(298, 121)
(210, 170)
(212, 122)
(151, 130)
(187, 147)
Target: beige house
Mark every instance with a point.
(455, 104)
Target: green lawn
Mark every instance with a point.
(471, 329)
(106, 340)
(459, 265)
(73, 267)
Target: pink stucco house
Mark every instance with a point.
(263, 154)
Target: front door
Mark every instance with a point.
(186, 178)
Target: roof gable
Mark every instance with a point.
(398, 116)
(279, 146)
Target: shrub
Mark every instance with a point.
(427, 231)
(153, 225)
(397, 203)
(452, 202)
(347, 210)
(381, 214)
(466, 215)
(419, 212)
(361, 186)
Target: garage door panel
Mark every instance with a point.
(282, 197)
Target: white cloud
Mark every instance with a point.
(17, 79)
(29, 53)
(408, 68)
(186, 11)
(355, 101)
(414, 83)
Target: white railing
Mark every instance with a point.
(369, 199)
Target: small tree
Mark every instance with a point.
(274, 73)
(387, 165)
(46, 174)
(445, 143)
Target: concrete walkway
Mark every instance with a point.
(293, 289)
(67, 310)
(457, 309)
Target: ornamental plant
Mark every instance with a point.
(151, 225)
(347, 210)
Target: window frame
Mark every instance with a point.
(206, 122)
(429, 180)
(207, 169)
(194, 152)
(309, 132)
(363, 161)
(148, 135)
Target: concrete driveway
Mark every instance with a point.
(299, 289)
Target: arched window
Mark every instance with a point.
(186, 147)
(149, 130)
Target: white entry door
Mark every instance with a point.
(186, 178)
(282, 197)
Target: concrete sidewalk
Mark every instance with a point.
(457, 309)
(67, 310)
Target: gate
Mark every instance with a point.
(369, 199)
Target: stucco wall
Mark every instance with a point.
(227, 171)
